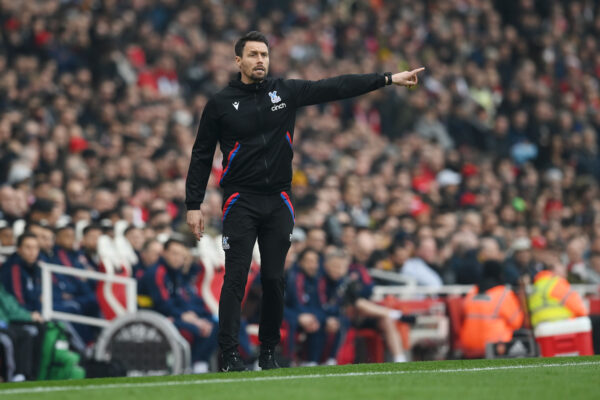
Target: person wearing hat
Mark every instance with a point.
(492, 312)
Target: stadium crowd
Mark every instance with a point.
(493, 158)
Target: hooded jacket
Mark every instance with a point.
(254, 125)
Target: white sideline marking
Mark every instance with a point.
(280, 378)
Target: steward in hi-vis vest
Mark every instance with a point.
(553, 299)
(492, 313)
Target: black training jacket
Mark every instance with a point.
(254, 124)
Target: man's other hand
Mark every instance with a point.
(195, 221)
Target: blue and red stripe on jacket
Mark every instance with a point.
(306, 294)
(22, 281)
(230, 158)
(79, 289)
(165, 287)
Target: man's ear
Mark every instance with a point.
(238, 61)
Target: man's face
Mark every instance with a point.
(90, 240)
(45, 237)
(175, 255)
(151, 254)
(337, 267)
(310, 263)
(29, 250)
(316, 239)
(135, 238)
(6, 237)
(523, 257)
(66, 238)
(254, 62)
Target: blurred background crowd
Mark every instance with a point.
(493, 157)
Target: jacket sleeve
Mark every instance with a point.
(511, 311)
(202, 157)
(12, 280)
(340, 87)
(12, 308)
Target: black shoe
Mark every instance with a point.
(266, 359)
(232, 362)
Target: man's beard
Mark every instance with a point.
(255, 77)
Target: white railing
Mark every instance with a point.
(47, 304)
(413, 291)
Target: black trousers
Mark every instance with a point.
(246, 218)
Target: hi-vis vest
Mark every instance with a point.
(490, 317)
(543, 306)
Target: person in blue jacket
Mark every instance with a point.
(169, 295)
(305, 297)
(21, 274)
(74, 294)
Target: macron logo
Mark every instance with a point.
(236, 104)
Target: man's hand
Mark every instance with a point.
(407, 78)
(37, 317)
(332, 325)
(189, 317)
(195, 221)
(204, 326)
(308, 322)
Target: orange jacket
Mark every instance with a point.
(489, 318)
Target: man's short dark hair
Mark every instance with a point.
(172, 241)
(253, 36)
(24, 236)
(129, 229)
(89, 228)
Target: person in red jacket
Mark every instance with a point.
(492, 313)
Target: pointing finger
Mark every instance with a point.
(416, 71)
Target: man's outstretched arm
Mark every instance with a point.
(200, 168)
(346, 86)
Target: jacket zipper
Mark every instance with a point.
(263, 138)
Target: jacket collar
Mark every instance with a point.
(251, 87)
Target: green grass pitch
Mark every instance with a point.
(572, 378)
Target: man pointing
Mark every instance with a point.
(253, 119)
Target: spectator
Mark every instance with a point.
(304, 300)
(492, 312)
(88, 253)
(165, 286)
(7, 238)
(21, 276)
(419, 267)
(149, 257)
(520, 264)
(11, 311)
(356, 290)
(45, 237)
(552, 298)
(72, 294)
(592, 274)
